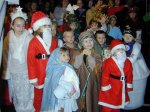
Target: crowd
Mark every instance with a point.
(70, 58)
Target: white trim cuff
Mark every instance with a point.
(33, 80)
(40, 86)
(129, 85)
(105, 88)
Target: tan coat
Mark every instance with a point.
(91, 67)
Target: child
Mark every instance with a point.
(113, 30)
(69, 39)
(15, 63)
(88, 65)
(116, 79)
(140, 69)
(101, 39)
(61, 87)
(40, 47)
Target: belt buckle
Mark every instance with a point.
(43, 56)
(122, 78)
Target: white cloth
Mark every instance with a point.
(140, 69)
(66, 83)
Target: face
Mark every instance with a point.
(132, 15)
(64, 56)
(128, 38)
(73, 26)
(94, 25)
(43, 27)
(80, 3)
(121, 50)
(54, 29)
(113, 21)
(101, 38)
(64, 3)
(18, 26)
(87, 43)
(69, 37)
(33, 6)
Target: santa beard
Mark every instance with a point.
(47, 36)
(121, 58)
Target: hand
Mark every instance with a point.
(72, 92)
(87, 52)
(35, 84)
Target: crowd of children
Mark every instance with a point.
(55, 63)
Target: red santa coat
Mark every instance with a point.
(37, 67)
(114, 92)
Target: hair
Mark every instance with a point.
(66, 31)
(100, 32)
(63, 49)
(17, 18)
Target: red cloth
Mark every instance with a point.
(38, 93)
(113, 10)
(37, 67)
(106, 109)
(111, 91)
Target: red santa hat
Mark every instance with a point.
(116, 44)
(39, 19)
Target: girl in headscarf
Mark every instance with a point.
(61, 87)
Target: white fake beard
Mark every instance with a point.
(121, 57)
(47, 36)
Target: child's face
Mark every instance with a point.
(69, 37)
(101, 38)
(113, 21)
(18, 26)
(94, 25)
(43, 27)
(128, 38)
(73, 25)
(119, 50)
(54, 29)
(64, 56)
(87, 43)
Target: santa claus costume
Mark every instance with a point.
(39, 51)
(116, 79)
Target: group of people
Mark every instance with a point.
(55, 67)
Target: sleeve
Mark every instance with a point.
(78, 61)
(54, 44)
(31, 63)
(5, 60)
(105, 80)
(129, 77)
(135, 53)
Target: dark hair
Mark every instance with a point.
(100, 32)
(64, 49)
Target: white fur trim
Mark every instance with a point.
(117, 47)
(129, 85)
(105, 88)
(40, 86)
(41, 22)
(33, 80)
(113, 106)
(30, 30)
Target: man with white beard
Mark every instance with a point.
(39, 51)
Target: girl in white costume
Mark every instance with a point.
(15, 64)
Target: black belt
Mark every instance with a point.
(118, 77)
(42, 56)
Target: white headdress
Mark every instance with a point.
(18, 13)
(71, 9)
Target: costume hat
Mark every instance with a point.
(18, 13)
(116, 44)
(39, 19)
